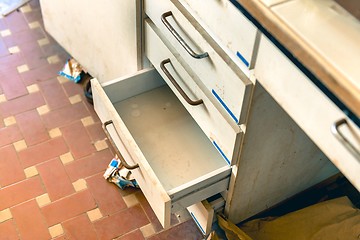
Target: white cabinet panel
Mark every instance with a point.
(102, 36)
(309, 107)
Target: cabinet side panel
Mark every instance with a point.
(101, 36)
(277, 160)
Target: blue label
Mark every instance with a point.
(242, 58)
(224, 105)
(197, 223)
(222, 153)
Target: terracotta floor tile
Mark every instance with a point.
(10, 168)
(54, 94)
(186, 230)
(43, 152)
(16, 22)
(2, 24)
(21, 104)
(42, 73)
(107, 195)
(78, 140)
(96, 132)
(33, 55)
(72, 89)
(24, 36)
(53, 48)
(8, 230)
(10, 61)
(3, 49)
(91, 110)
(9, 135)
(68, 207)
(80, 228)
(121, 223)
(88, 166)
(150, 213)
(34, 15)
(12, 84)
(55, 179)
(135, 235)
(29, 188)
(30, 222)
(32, 127)
(65, 115)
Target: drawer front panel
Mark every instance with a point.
(221, 134)
(149, 184)
(228, 24)
(310, 108)
(169, 170)
(227, 87)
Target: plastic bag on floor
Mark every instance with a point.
(72, 70)
(118, 175)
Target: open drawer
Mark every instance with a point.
(177, 164)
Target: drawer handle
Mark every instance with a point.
(337, 133)
(121, 158)
(180, 90)
(179, 38)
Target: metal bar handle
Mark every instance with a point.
(340, 136)
(177, 86)
(179, 38)
(121, 158)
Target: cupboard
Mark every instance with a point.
(200, 103)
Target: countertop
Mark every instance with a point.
(322, 36)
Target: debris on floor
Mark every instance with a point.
(118, 175)
(72, 70)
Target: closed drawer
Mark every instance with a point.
(177, 165)
(229, 25)
(226, 86)
(214, 125)
(311, 109)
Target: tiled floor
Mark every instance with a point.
(52, 153)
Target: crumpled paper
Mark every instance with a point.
(121, 177)
(72, 70)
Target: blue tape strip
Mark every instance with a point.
(197, 223)
(242, 58)
(224, 105)
(222, 153)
